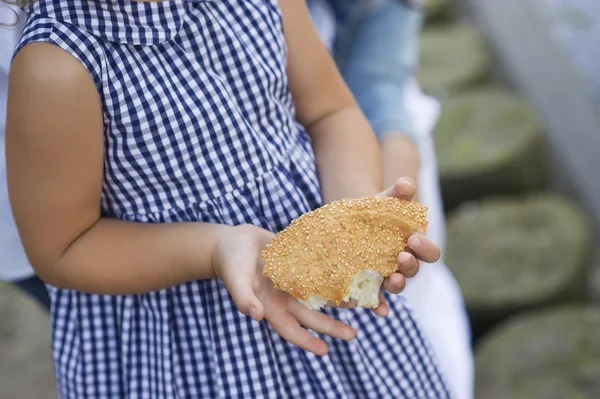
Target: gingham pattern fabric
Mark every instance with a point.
(199, 126)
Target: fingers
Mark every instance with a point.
(242, 292)
(288, 327)
(320, 322)
(423, 248)
(408, 264)
(245, 300)
(382, 310)
(395, 284)
(404, 188)
(236, 265)
(351, 304)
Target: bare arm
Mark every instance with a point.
(400, 157)
(347, 151)
(345, 147)
(54, 144)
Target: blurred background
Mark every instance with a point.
(518, 148)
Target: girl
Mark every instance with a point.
(153, 149)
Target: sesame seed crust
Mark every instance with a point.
(320, 252)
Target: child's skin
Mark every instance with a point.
(55, 143)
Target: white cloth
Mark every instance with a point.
(13, 261)
(434, 293)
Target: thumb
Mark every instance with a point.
(244, 297)
(404, 188)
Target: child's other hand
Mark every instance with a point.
(420, 248)
(237, 262)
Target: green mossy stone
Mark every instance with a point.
(452, 58)
(436, 10)
(488, 141)
(512, 254)
(552, 354)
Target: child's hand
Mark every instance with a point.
(237, 262)
(420, 248)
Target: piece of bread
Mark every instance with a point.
(343, 250)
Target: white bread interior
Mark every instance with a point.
(364, 290)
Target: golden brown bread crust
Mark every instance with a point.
(320, 252)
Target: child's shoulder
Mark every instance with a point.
(48, 39)
(43, 67)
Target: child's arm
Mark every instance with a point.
(400, 157)
(347, 152)
(346, 149)
(54, 144)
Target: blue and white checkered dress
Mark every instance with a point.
(200, 126)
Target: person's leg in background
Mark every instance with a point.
(377, 51)
(36, 288)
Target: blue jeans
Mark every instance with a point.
(377, 51)
(37, 289)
